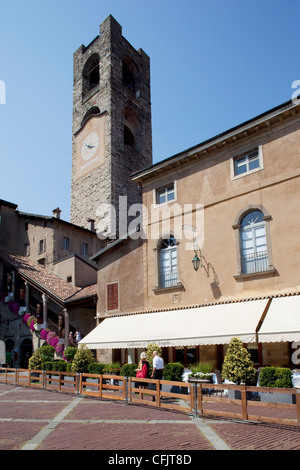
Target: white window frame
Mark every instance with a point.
(165, 253)
(256, 264)
(271, 270)
(161, 188)
(246, 154)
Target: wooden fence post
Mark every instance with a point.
(79, 383)
(125, 386)
(298, 407)
(200, 403)
(244, 402)
(194, 398)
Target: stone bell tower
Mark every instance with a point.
(111, 124)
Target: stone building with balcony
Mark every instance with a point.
(218, 254)
(45, 270)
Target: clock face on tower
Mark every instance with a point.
(90, 148)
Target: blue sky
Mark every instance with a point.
(214, 65)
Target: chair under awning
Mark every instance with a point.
(212, 324)
(282, 321)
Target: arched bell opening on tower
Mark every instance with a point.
(131, 128)
(90, 74)
(129, 74)
(128, 137)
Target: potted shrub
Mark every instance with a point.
(128, 370)
(276, 377)
(96, 368)
(173, 372)
(238, 367)
(201, 373)
(82, 359)
(149, 351)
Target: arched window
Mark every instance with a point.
(131, 128)
(168, 262)
(128, 137)
(129, 73)
(254, 253)
(253, 242)
(90, 74)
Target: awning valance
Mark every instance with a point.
(282, 322)
(213, 324)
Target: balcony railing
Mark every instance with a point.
(169, 279)
(255, 263)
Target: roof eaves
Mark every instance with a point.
(139, 175)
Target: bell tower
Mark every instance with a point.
(111, 125)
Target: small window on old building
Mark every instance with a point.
(112, 296)
(27, 249)
(42, 245)
(84, 248)
(166, 194)
(66, 243)
(247, 163)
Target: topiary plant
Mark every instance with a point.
(82, 359)
(47, 353)
(35, 361)
(237, 366)
(149, 351)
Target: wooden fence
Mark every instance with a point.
(194, 398)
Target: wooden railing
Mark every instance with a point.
(194, 398)
(246, 407)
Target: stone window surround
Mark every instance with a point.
(240, 276)
(157, 288)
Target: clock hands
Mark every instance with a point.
(89, 146)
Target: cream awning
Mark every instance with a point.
(213, 324)
(282, 322)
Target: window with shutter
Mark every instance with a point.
(113, 296)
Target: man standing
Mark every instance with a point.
(158, 367)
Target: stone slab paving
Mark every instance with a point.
(33, 419)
